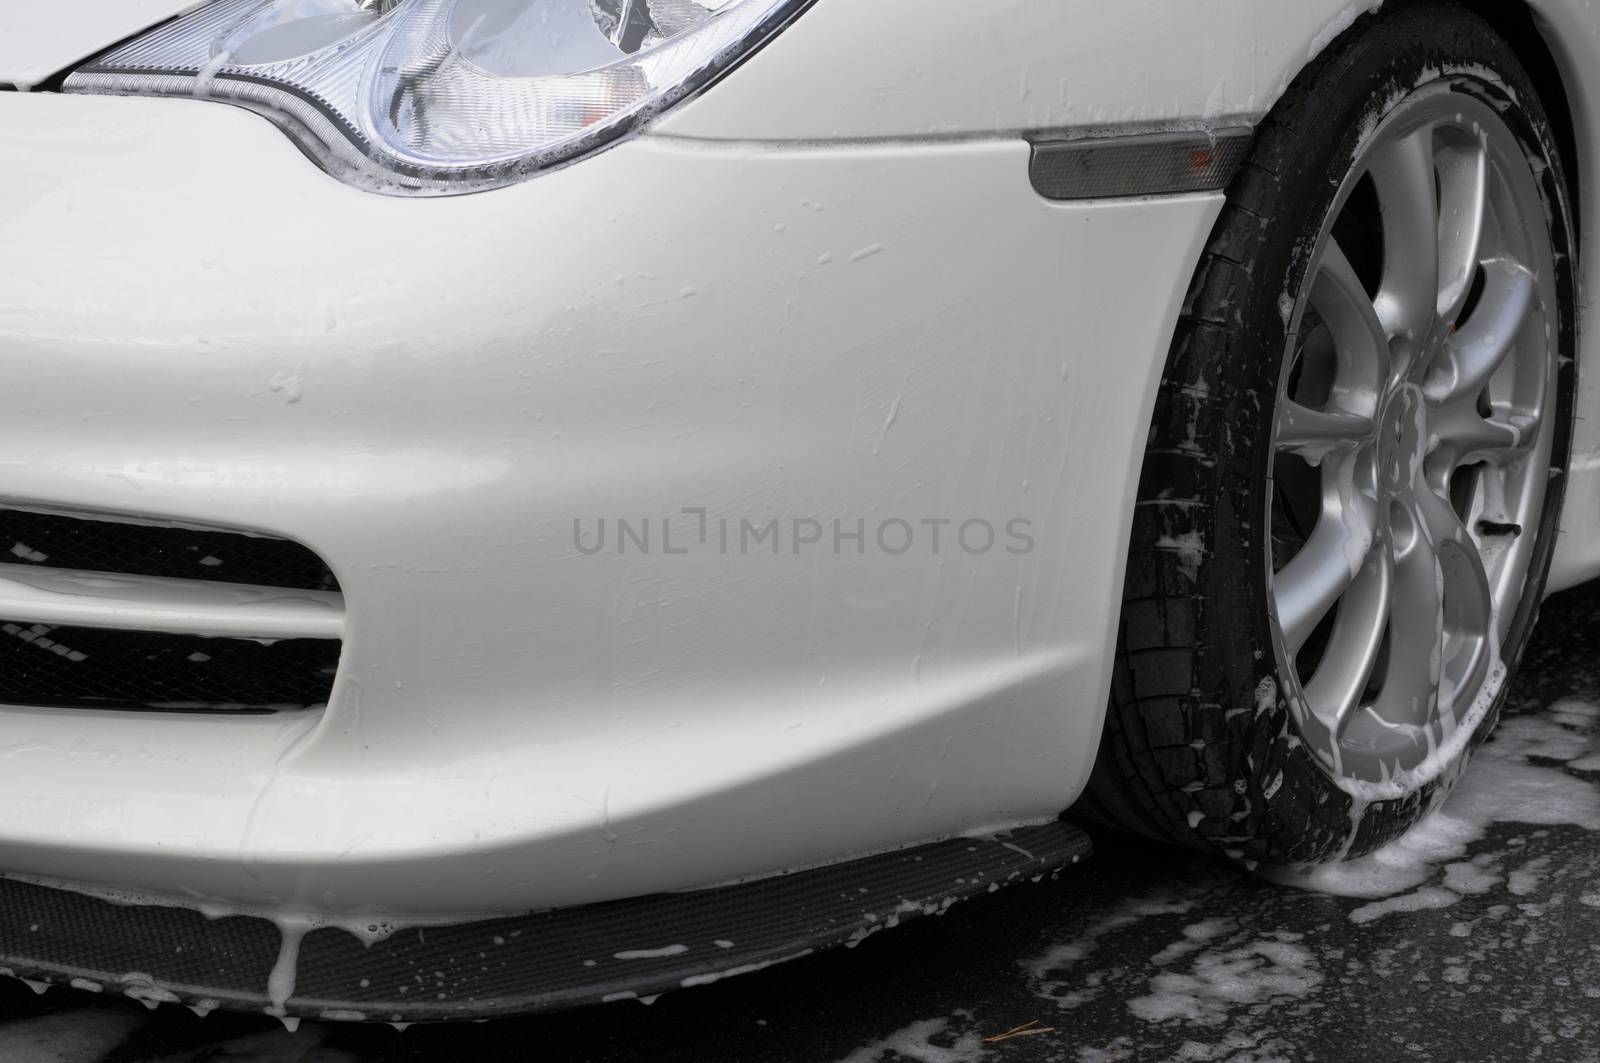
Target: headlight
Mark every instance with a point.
(442, 96)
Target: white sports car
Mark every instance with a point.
(512, 503)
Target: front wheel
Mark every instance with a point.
(1354, 475)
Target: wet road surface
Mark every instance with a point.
(1478, 938)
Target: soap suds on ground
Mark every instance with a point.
(1530, 772)
(1209, 969)
(925, 1041)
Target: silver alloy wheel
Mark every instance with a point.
(1412, 441)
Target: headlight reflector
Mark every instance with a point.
(442, 96)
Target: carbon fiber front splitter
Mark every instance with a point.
(515, 965)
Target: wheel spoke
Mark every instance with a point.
(1463, 170)
(1441, 522)
(1354, 644)
(1480, 346)
(1361, 347)
(1465, 436)
(1468, 612)
(1416, 632)
(1408, 297)
(1314, 433)
(1306, 588)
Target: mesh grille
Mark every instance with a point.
(89, 667)
(101, 668)
(28, 538)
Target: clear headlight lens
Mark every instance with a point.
(441, 96)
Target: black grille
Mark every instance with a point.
(57, 541)
(89, 667)
(101, 668)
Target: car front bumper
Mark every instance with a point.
(197, 325)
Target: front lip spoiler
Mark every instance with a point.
(516, 965)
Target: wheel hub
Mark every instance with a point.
(1401, 440)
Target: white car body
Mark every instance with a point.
(823, 289)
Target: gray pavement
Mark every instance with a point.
(1476, 939)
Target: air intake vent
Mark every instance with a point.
(99, 612)
(85, 666)
(29, 538)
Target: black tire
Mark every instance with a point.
(1199, 746)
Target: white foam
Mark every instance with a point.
(1423, 899)
(1529, 877)
(1476, 876)
(653, 954)
(1220, 980)
(1340, 22)
(1051, 971)
(1401, 865)
(916, 1042)
(1195, 936)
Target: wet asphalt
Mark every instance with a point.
(1491, 953)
